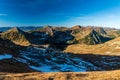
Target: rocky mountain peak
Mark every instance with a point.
(76, 27)
(16, 35)
(15, 29)
(101, 31)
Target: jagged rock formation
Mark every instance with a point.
(93, 38)
(89, 35)
(57, 36)
(51, 35)
(76, 29)
(15, 35)
(61, 37)
(101, 31)
(47, 29)
(41, 51)
(38, 37)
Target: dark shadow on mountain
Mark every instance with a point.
(105, 62)
(13, 66)
(105, 39)
(7, 46)
(59, 39)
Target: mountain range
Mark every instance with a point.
(60, 49)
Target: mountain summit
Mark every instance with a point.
(16, 35)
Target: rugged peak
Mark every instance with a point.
(95, 37)
(48, 27)
(15, 29)
(92, 38)
(101, 31)
(76, 27)
(93, 32)
(16, 35)
(49, 30)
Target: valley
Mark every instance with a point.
(82, 52)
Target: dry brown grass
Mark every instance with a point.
(109, 48)
(103, 75)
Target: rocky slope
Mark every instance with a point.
(93, 38)
(50, 60)
(59, 37)
(6, 46)
(89, 35)
(41, 49)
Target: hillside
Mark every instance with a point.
(110, 47)
(51, 49)
(16, 35)
(12, 66)
(93, 38)
(6, 46)
(103, 75)
(55, 36)
(89, 35)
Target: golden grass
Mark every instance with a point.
(100, 75)
(110, 48)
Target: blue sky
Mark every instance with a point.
(60, 12)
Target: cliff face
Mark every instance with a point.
(45, 50)
(94, 38)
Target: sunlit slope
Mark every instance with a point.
(15, 35)
(110, 47)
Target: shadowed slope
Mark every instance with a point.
(6, 46)
(13, 66)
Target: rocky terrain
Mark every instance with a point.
(59, 49)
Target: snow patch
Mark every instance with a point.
(5, 56)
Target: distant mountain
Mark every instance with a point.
(57, 35)
(113, 33)
(100, 31)
(51, 35)
(2, 29)
(42, 49)
(24, 28)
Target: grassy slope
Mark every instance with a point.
(16, 35)
(103, 75)
(108, 48)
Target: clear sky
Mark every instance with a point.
(60, 12)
